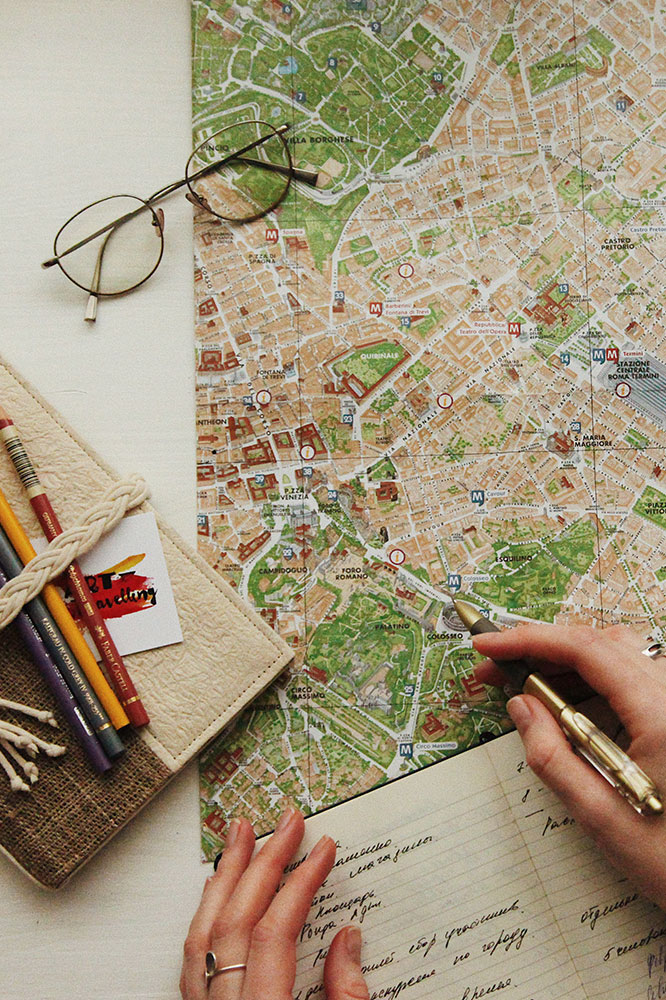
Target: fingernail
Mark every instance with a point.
(520, 712)
(234, 827)
(286, 818)
(320, 846)
(218, 858)
(353, 944)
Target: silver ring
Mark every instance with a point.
(212, 969)
(654, 650)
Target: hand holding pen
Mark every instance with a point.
(610, 661)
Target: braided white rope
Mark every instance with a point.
(73, 542)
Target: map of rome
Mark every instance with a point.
(443, 367)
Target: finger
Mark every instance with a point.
(498, 677)
(217, 891)
(343, 977)
(569, 685)
(271, 963)
(600, 656)
(656, 667)
(638, 644)
(489, 673)
(233, 924)
(586, 795)
(233, 863)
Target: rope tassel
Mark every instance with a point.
(14, 738)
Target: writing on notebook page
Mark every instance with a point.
(469, 880)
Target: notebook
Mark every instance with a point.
(191, 689)
(469, 880)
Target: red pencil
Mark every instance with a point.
(50, 525)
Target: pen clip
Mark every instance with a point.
(610, 761)
(608, 775)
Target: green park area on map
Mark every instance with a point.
(442, 368)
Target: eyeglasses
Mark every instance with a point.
(113, 245)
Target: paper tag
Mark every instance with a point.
(129, 582)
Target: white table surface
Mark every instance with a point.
(96, 101)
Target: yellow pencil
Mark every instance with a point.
(64, 620)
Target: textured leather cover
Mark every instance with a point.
(191, 690)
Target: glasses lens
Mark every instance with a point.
(245, 186)
(119, 258)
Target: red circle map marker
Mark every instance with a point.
(623, 389)
(307, 452)
(264, 397)
(406, 270)
(397, 557)
(445, 400)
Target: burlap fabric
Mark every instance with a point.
(71, 811)
(191, 690)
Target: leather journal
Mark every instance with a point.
(191, 689)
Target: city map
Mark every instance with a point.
(443, 368)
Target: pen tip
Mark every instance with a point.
(468, 613)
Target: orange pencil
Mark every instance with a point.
(64, 620)
(48, 520)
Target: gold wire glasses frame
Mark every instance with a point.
(108, 252)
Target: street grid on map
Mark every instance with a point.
(443, 368)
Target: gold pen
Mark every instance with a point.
(600, 751)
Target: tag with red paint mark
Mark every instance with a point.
(129, 583)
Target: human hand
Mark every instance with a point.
(609, 661)
(244, 922)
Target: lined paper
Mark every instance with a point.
(459, 893)
(598, 912)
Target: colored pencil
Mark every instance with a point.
(61, 693)
(85, 602)
(11, 566)
(54, 602)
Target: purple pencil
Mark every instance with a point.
(56, 682)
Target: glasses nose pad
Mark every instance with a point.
(199, 202)
(159, 221)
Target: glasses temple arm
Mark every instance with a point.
(110, 226)
(305, 176)
(93, 298)
(238, 154)
(161, 194)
